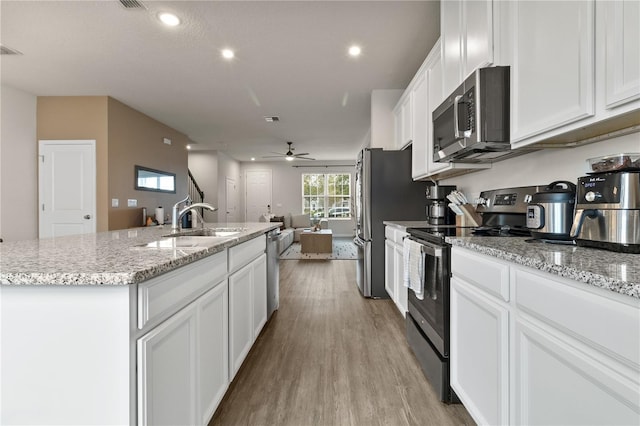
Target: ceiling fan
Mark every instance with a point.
(289, 155)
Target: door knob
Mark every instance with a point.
(87, 216)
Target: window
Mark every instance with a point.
(326, 195)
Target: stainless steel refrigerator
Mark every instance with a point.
(384, 191)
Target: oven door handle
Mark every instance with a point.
(427, 249)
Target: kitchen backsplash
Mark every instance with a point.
(542, 167)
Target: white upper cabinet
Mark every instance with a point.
(403, 121)
(552, 65)
(622, 61)
(420, 121)
(467, 39)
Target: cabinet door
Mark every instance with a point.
(478, 38)
(407, 120)
(213, 350)
(240, 318)
(480, 353)
(451, 38)
(552, 73)
(435, 98)
(420, 125)
(559, 381)
(389, 268)
(622, 33)
(259, 293)
(401, 292)
(167, 379)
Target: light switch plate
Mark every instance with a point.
(166, 141)
(115, 202)
(132, 203)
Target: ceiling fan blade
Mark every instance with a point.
(298, 155)
(273, 156)
(305, 158)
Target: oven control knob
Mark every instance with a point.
(590, 196)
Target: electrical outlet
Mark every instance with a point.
(166, 141)
(115, 202)
(132, 203)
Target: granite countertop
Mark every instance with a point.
(618, 272)
(107, 258)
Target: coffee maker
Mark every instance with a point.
(438, 213)
(608, 212)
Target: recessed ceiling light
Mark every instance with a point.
(253, 158)
(228, 54)
(188, 146)
(355, 50)
(169, 19)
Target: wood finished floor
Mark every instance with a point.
(331, 357)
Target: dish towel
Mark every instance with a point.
(414, 267)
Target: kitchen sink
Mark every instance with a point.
(185, 242)
(209, 232)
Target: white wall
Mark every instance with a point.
(204, 168)
(287, 188)
(542, 167)
(18, 169)
(382, 120)
(228, 167)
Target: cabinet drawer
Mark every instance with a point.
(244, 253)
(485, 272)
(162, 296)
(609, 323)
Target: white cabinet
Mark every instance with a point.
(622, 61)
(467, 39)
(394, 268)
(552, 65)
(529, 347)
(403, 121)
(259, 293)
(213, 350)
(389, 267)
(167, 371)
(421, 125)
(247, 310)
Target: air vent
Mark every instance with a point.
(132, 4)
(272, 119)
(4, 50)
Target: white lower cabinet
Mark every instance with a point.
(167, 371)
(394, 268)
(480, 340)
(532, 348)
(247, 310)
(213, 350)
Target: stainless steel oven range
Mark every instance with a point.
(503, 214)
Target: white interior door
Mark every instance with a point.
(231, 200)
(258, 194)
(66, 187)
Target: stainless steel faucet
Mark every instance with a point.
(177, 214)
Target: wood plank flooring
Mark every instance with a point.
(331, 357)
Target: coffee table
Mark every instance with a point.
(316, 241)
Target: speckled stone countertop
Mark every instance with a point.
(618, 272)
(107, 258)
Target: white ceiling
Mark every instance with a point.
(291, 61)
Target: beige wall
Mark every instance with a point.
(124, 137)
(18, 166)
(80, 117)
(137, 139)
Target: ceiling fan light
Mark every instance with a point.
(290, 158)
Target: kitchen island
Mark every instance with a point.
(128, 326)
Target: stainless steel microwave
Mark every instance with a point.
(472, 124)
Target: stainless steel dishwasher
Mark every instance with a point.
(273, 272)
